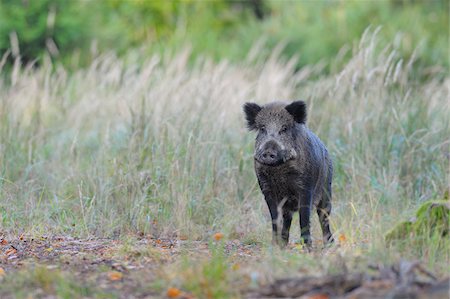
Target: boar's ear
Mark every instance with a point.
(251, 110)
(298, 110)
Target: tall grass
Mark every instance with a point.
(159, 147)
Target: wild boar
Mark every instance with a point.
(293, 168)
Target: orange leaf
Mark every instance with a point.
(115, 275)
(3, 242)
(10, 251)
(342, 238)
(173, 292)
(218, 236)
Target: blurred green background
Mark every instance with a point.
(312, 31)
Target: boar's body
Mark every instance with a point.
(293, 168)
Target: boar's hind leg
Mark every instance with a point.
(324, 210)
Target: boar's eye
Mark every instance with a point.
(283, 129)
(263, 129)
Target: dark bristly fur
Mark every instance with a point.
(298, 111)
(251, 110)
(293, 168)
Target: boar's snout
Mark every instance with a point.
(270, 154)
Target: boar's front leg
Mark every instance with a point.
(280, 220)
(287, 220)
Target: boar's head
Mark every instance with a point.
(277, 125)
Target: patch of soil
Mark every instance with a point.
(135, 269)
(125, 269)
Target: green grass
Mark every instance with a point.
(160, 148)
(208, 278)
(40, 281)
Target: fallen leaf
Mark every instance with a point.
(236, 267)
(218, 236)
(3, 242)
(342, 238)
(2, 272)
(173, 292)
(10, 251)
(319, 296)
(115, 275)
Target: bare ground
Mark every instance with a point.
(139, 269)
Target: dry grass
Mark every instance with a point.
(157, 146)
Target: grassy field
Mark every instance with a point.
(126, 151)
